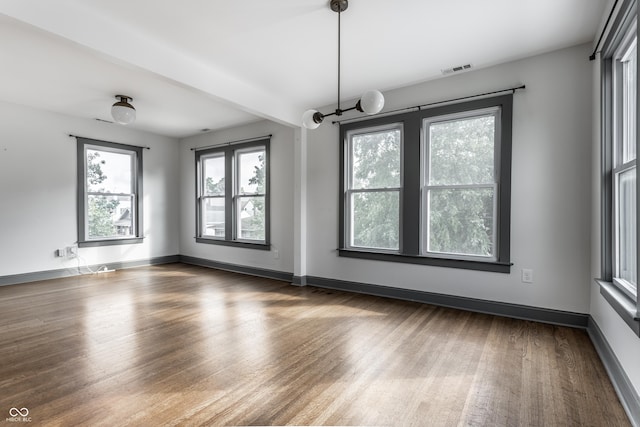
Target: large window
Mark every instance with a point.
(233, 195)
(109, 193)
(430, 186)
(619, 71)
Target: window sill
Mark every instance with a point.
(621, 303)
(110, 242)
(491, 266)
(235, 243)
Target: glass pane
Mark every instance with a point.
(627, 243)
(461, 151)
(461, 221)
(375, 220)
(251, 218)
(213, 217)
(213, 174)
(110, 217)
(109, 172)
(629, 105)
(251, 172)
(375, 159)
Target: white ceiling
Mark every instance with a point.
(212, 64)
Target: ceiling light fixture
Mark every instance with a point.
(371, 101)
(123, 112)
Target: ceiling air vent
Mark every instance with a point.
(457, 69)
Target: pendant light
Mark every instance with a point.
(371, 101)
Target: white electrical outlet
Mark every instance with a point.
(276, 254)
(527, 275)
(60, 253)
(72, 251)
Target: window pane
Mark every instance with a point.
(213, 174)
(461, 221)
(109, 172)
(251, 172)
(213, 217)
(251, 218)
(375, 159)
(375, 220)
(629, 104)
(461, 151)
(110, 216)
(627, 244)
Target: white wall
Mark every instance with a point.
(622, 340)
(550, 222)
(38, 191)
(282, 194)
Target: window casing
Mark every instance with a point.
(426, 176)
(109, 193)
(619, 115)
(233, 195)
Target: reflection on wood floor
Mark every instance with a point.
(184, 345)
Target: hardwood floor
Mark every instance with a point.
(184, 345)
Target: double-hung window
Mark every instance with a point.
(233, 195)
(624, 165)
(430, 187)
(109, 193)
(619, 214)
(373, 193)
(460, 189)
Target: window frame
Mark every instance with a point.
(83, 144)
(232, 196)
(412, 179)
(621, 296)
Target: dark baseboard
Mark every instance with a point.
(252, 271)
(624, 388)
(75, 271)
(556, 317)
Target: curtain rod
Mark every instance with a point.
(419, 107)
(604, 29)
(111, 142)
(257, 138)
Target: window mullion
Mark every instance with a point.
(410, 195)
(229, 191)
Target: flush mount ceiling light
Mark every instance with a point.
(371, 101)
(123, 112)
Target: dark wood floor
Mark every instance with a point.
(183, 345)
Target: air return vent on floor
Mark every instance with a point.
(457, 69)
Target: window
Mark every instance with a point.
(619, 226)
(430, 187)
(624, 165)
(109, 193)
(460, 187)
(373, 193)
(233, 195)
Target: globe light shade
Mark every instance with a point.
(123, 112)
(310, 119)
(371, 102)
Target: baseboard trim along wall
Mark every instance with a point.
(626, 392)
(251, 271)
(77, 271)
(556, 317)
